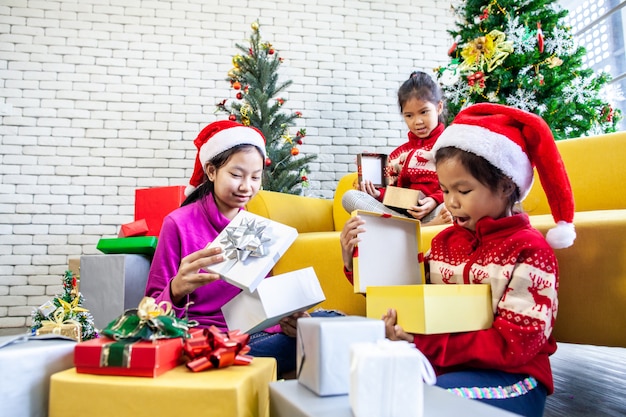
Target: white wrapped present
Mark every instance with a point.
(26, 364)
(323, 350)
(252, 244)
(387, 379)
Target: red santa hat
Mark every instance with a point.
(218, 137)
(515, 141)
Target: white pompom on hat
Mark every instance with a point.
(515, 141)
(218, 137)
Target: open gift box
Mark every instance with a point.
(388, 253)
(252, 244)
(434, 308)
(275, 297)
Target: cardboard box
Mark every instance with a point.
(388, 253)
(401, 198)
(275, 297)
(323, 350)
(235, 391)
(252, 244)
(371, 166)
(153, 204)
(387, 379)
(26, 364)
(112, 284)
(104, 356)
(434, 308)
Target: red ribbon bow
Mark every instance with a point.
(215, 349)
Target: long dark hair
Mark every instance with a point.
(484, 172)
(218, 161)
(421, 86)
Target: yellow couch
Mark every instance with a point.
(592, 293)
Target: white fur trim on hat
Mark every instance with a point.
(229, 138)
(561, 236)
(498, 149)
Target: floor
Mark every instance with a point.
(589, 381)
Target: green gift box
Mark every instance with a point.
(145, 245)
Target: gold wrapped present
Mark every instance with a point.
(57, 325)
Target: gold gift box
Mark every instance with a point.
(71, 330)
(434, 308)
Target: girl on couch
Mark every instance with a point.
(485, 162)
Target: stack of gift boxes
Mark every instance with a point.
(350, 356)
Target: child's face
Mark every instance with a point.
(466, 198)
(237, 181)
(421, 117)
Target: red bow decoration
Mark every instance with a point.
(215, 349)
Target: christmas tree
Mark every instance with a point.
(254, 80)
(521, 53)
(65, 313)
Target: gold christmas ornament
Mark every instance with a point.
(255, 26)
(489, 50)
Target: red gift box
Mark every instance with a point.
(153, 204)
(136, 228)
(104, 356)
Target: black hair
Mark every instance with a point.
(421, 86)
(484, 171)
(218, 161)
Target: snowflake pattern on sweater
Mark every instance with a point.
(521, 268)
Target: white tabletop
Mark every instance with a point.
(291, 399)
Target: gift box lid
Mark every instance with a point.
(128, 245)
(252, 245)
(389, 252)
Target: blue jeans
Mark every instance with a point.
(280, 346)
(517, 393)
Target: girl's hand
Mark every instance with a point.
(349, 238)
(392, 330)
(368, 187)
(426, 205)
(191, 274)
(289, 325)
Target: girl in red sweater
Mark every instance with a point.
(411, 165)
(485, 165)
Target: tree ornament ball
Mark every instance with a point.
(268, 162)
(271, 51)
(232, 118)
(255, 26)
(295, 151)
(237, 85)
(239, 96)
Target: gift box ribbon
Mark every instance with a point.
(244, 241)
(215, 349)
(149, 321)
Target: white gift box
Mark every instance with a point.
(111, 284)
(387, 379)
(275, 297)
(27, 362)
(252, 244)
(388, 253)
(323, 350)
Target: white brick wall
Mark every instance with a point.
(102, 97)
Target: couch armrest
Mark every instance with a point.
(322, 251)
(306, 214)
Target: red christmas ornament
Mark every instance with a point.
(452, 49)
(298, 114)
(268, 162)
(236, 85)
(239, 96)
(304, 178)
(271, 51)
(232, 117)
(295, 151)
(299, 142)
(539, 37)
(280, 101)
